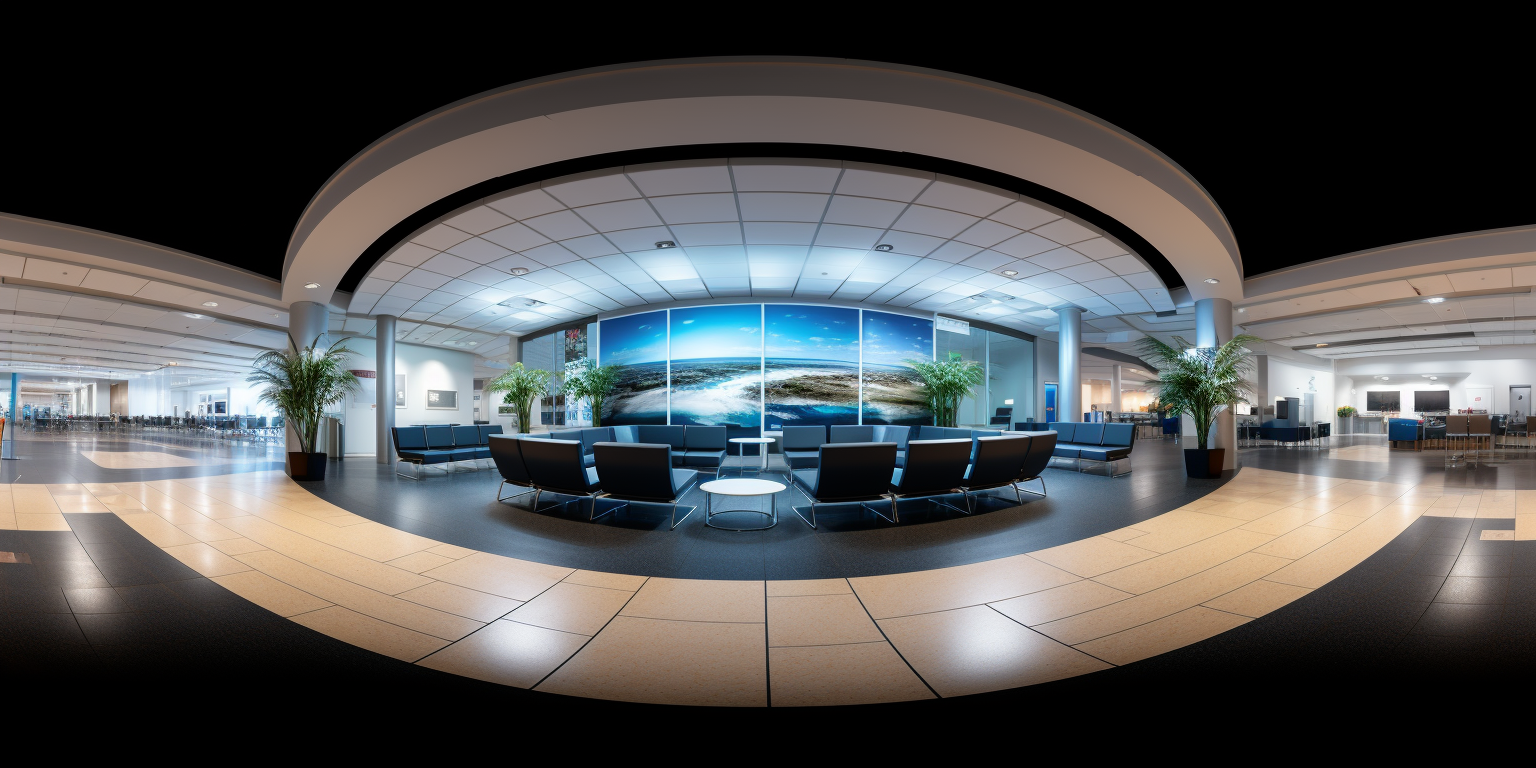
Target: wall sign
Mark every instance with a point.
(399, 389)
(952, 325)
(442, 400)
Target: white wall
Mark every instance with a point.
(424, 368)
(1481, 369)
(1046, 369)
(1287, 379)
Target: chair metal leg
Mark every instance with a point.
(676, 521)
(812, 521)
(1026, 490)
(417, 472)
(499, 497)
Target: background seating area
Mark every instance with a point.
(1094, 442)
(426, 446)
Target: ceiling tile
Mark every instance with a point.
(964, 196)
(625, 214)
(593, 188)
(1023, 268)
(986, 233)
(707, 234)
(113, 282)
(1024, 216)
(1125, 265)
(934, 222)
(1480, 280)
(782, 206)
(1430, 285)
(517, 237)
(753, 175)
(525, 205)
(633, 240)
(550, 255)
(837, 235)
(590, 247)
(559, 225)
(479, 219)
(910, 243)
(772, 232)
(696, 209)
(411, 254)
(1025, 245)
(863, 211)
(448, 264)
(479, 251)
(1108, 285)
(681, 177)
(441, 237)
(1397, 289)
(1064, 231)
(954, 252)
(1059, 258)
(1048, 280)
(53, 272)
(882, 181)
(1098, 248)
(1082, 273)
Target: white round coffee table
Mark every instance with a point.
(742, 486)
(741, 451)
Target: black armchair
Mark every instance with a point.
(801, 445)
(1036, 459)
(555, 466)
(999, 462)
(934, 468)
(849, 473)
(642, 473)
(507, 454)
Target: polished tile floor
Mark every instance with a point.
(1411, 564)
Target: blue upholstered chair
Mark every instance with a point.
(1405, 431)
(642, 473)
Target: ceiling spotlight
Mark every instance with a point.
(1383, 378)
(1434, 378)
(533, 302)
(171, 362)
(1434, 300)
(884, 247)
(518, 271)
(311, 285)
(274, 314)
(1323, 344)
(1242, 309)
(210, 303)
(1212, 280)
(472, 343)
(823, 274)
(194, 317)
(1010, 273)
(665, 244)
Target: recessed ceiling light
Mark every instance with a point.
(1323, 345)
(1434, 378)
(533, 302)
(170, 362)
(1212, 280)
(884, 247)
(1010, 273)
(210, 303)
(665, 244)
(519, 271)
(194, 317)
(1434, 300)
(1383, 378)
(311, 285)
(274, 314)
(1242, 309)
(472, 343)
(823, 274)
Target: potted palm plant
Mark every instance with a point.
(945, 382)
(586, 380)
(522, 385)
(300, 383)
(1200, 382)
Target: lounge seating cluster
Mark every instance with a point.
(848, 473)
(429, 445)
(689, 446)
(630, 472)
(1095, 442)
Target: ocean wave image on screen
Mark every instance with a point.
(810, 365)
(717, 367)
(638, 345)
(893, 393)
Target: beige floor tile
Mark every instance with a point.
(270, 593)
(78, 503)
(371, 540)
(158, 530)
(977, 649)
(420, 561)
(504, 652)
(236, 546)
(41, 522)
(1525, 527)
(1362, 506)
(1299, 542)
(1440, 512)
(1492, 535)
(516, 579)
(1331, 560)
(698, 600)
(1496, 513)
(942, 589)
(1336, 521)
(7, 520)
(1177, 529)
(457, 600)
(367, 632)
(33, 500)
(572, 608)
(344, 593)
(1124, 534)
(1181, 563)
(1092, 556)
(1321, 503)
(806, 587)
(622, 581)
(98, 489)
(669, 662)
(1257, 598)
(1167, 634)
(1246, 510)
(1059, 603)
(449, 550)
(347, 565)
(206, 560)
(1162, 602)
(841, 675)
(819, 620)
(210, 531)
(1283, 521)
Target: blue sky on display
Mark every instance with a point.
(728, 331)
(634, 339)
(890, 339)
(810, 332)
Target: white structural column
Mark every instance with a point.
(1069, 365)
(1114, 389)
(384, 331)
(307, 321)
(1213, 327)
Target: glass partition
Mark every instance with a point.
(971, 346)
(1010, 378)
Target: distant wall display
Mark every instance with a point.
(765, 366)
(1431, 400)
(810, 365)
(893, 393)
(399, 389)
(639, 344)
(717, 367)
(1383, 401)
(442, 400)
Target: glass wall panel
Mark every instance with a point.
(638, 344)
(973, 346)
(717, 367)
(1010, 376)
(810, 365)
(893, 394)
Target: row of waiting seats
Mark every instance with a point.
(1095, 442)
(422, 446)
(846, 473)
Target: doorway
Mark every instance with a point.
(1050, 402)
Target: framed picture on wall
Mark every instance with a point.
(442, 400)
(399, 390)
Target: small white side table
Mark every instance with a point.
(741, 452)
(742, 487)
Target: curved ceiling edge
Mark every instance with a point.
(466, 197)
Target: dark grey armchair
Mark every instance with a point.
(999, 462)
(935, 468)
(801, 444)
(849, 473)
(556, 466)
(642, 473)
(507, 454)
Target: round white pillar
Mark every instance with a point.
(1069, 364)
(384, 367)
(1213, 327)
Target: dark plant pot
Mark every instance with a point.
(306, 466)
(1203, 463)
